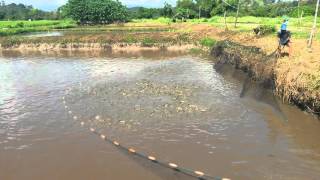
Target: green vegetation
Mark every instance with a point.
(264, 30)
(17, 27)
(100, 12)
(191, 9)
(108, 11)
(300, 28)
(208, 42)
(22, 12)
(96, 11)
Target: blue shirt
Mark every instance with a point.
(284, 25)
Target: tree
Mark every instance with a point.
(96, 11)
(238, 9)
(186, 4)
(205, 7)
(62, 12)
(182, 13)
(21, 12)
(77, 10)
(167, 10)
(222, 6)
(187, 7)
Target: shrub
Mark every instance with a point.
(20, 25)
(264, 30)
(208, 42)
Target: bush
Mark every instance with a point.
(20, 25)
(307, 11)
(264, 30)
(208, 42)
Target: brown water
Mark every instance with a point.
(177, 108)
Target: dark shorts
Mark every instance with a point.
(284, 37)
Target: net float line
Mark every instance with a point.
(132, 151)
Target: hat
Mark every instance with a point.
(285, 18)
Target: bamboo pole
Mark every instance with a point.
(300, 19)
(225, 20)
(299, 8)
(313, 31)
(299, 13)
(236, 21)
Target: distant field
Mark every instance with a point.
(17, 27)
(300, 28)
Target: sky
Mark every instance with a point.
(49, 5)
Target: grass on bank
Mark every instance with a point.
(300, 28)
(17, 27)
(208, 42)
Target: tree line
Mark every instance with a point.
(190, 9)
(109, 11)
(23, 12)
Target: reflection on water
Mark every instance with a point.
(43, 34)
(176, 108)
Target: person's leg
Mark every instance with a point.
(290, 49)
(278, 54)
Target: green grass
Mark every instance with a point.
(300, 29)
(245, 24)
(160, 20)
(248, 23)
(208, 42)
(18, 27)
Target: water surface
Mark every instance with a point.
(177, 108)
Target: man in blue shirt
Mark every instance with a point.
(284, 25)
(284, 36)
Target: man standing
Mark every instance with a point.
(284, 36)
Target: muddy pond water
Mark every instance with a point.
(178, 108)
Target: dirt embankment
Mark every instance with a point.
(116, 47)
(102, 41)
(290, 85)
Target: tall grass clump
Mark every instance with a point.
(265, 30)
(208, 42)
(17, 27)
(11, 42)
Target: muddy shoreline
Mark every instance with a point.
(98, 47)
(262, 68)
